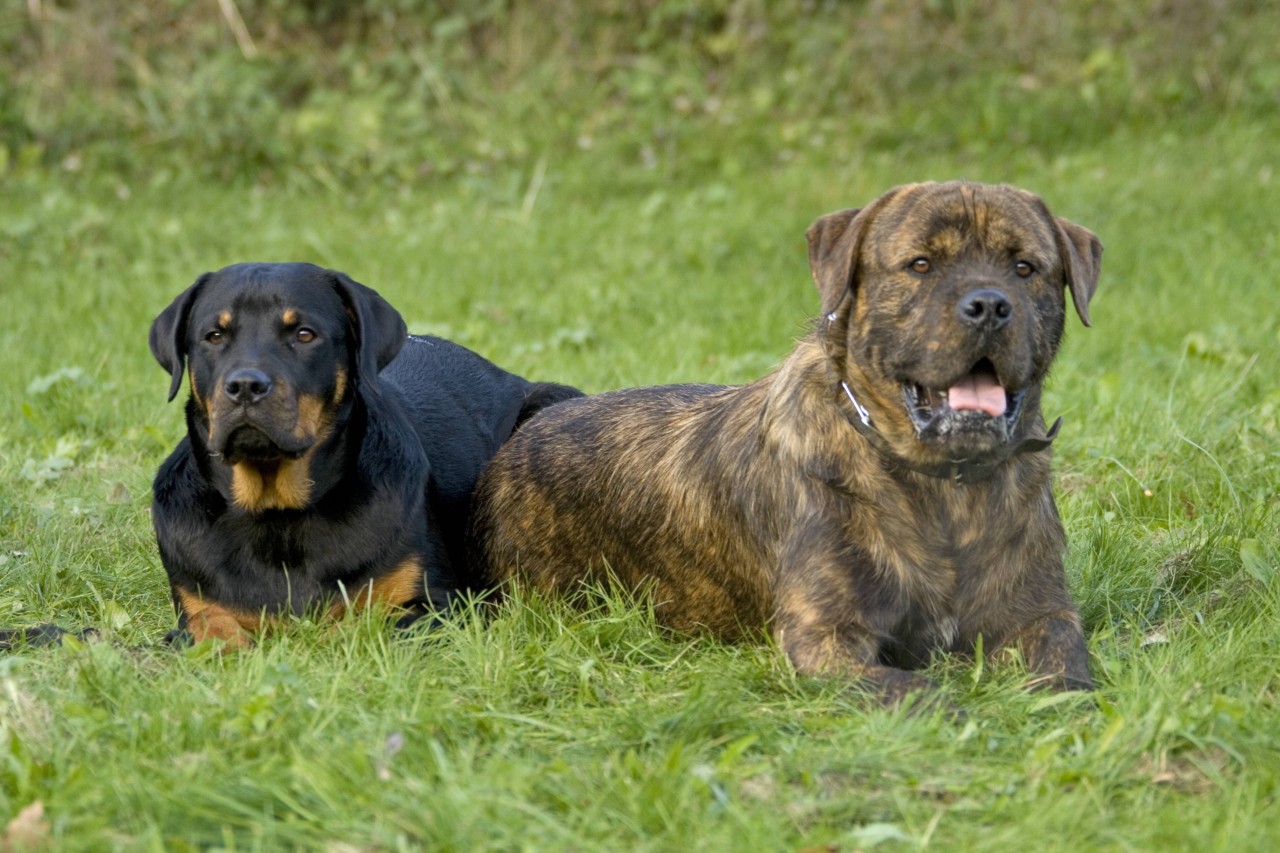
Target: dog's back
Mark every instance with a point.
(463, 408)
(640, 514)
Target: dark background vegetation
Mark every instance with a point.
(329, 92)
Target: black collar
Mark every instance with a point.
(960, 471)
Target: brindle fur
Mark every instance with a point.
(760, 506)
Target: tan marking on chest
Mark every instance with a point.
(280, 485)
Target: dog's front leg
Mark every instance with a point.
(822, 622)
(200, 619)
(1054, 650)
(847, 653)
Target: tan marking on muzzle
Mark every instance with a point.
(339, 386)
(312, 417)
(195, 392)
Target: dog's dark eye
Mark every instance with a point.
(305, 335)
(1023, 269)
(216, 337)
(921, 265)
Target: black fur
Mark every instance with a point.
(405, 426)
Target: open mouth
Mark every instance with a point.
(975, 402)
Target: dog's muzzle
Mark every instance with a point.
(249, 433)
(964, 469)
(249, 443)
(975, 404)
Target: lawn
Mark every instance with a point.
(542, 728)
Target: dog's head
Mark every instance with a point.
(943, 305)
(274, 354)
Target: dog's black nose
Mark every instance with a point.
(987, 308)
(247, 385)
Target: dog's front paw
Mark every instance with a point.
(918, 694)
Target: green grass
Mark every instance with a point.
(545, 728)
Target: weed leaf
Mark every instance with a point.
(1253, 561)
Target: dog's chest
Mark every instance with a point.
(937, 557)
(310, 550)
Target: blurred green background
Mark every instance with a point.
(411, 91)
(608, 194)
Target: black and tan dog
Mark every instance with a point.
(329, 458)
(883, 494)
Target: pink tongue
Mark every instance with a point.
(977, 392)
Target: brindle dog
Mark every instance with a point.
(882, 495)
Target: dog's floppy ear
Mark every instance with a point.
(835, 241)
(379, 329)
(169, 334)
(1081, 252)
